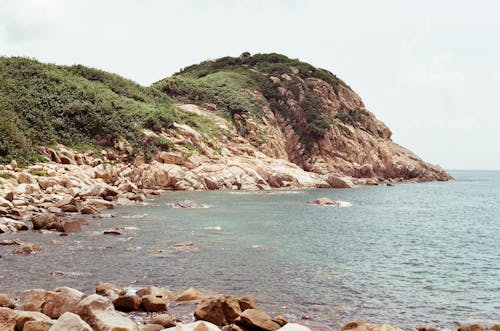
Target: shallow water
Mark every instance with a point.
(412, 254)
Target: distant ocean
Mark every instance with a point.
(409, 255)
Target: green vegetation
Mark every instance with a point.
(236, 85)
(43, 104)
(5, 175)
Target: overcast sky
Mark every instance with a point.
(429, 69)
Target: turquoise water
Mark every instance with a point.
(412, 254)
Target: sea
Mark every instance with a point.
(425, 254)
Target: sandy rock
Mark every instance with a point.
(190, 294)
(70, 322)
(151, 303)
(339, 182)
(324, 202)
(6, 302)
(247, 302)
(127, 303)
(294, 327)
(100, 204)
(99, 313)
(30, 316)
(89, 210)
(220, 310)
(151, 327)
(254, 318)
(7, 319)
(280, 320)
(472, 327)
(362, 326)
(195, 326)
(27, 250)
(9, 225)
(110, 290)
(5, 203)
(50, 303)
(70, 225)
(156, 292)
(38, 325)
(63, 299)
(165, 320)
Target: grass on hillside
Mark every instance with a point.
(231, 83)
(43, 104)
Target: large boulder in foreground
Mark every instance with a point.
(220, 310)
(7, 319)
(99, 313)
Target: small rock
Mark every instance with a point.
(185, 247)
(38, 325)
(151, 327)
(127, 303)
(280, 320)
(70, 225)
(70, 322)
(247, 302)
(220, 310)
(109, 290)
(6, 302)
(254, 318)
(150, 303)
(27, 250)
(163, 319)
(113, 232)
(195, 326)
(324, 202)
(156, 292)
(190, 294)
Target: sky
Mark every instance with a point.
(429, 69)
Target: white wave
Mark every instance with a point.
(213, 228)
(135, 216)
(343, 204)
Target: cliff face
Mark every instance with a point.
(292, 111)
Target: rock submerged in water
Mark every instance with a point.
(325, 202)
(186, 204)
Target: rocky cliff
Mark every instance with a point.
(290, 110)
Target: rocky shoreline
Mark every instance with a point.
(153, 308)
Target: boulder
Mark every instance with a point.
(280, 320)
(6, 302)
(99, 313)
(7, 319)
(127, 303)
(152, 304)
(190, 294)
(70, 225)
(163, 319)
(255, 319)
(5, 203)
(45, 222)
(51, 303)
(195, 326)
(70, 322)
(62, 300)
(324, 202)
(339, 182)
(220, 310)
(67, 200)
(24, 317)
(157, 292)
(294, 327)
(109, 290)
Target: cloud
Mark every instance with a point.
(26, 20)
